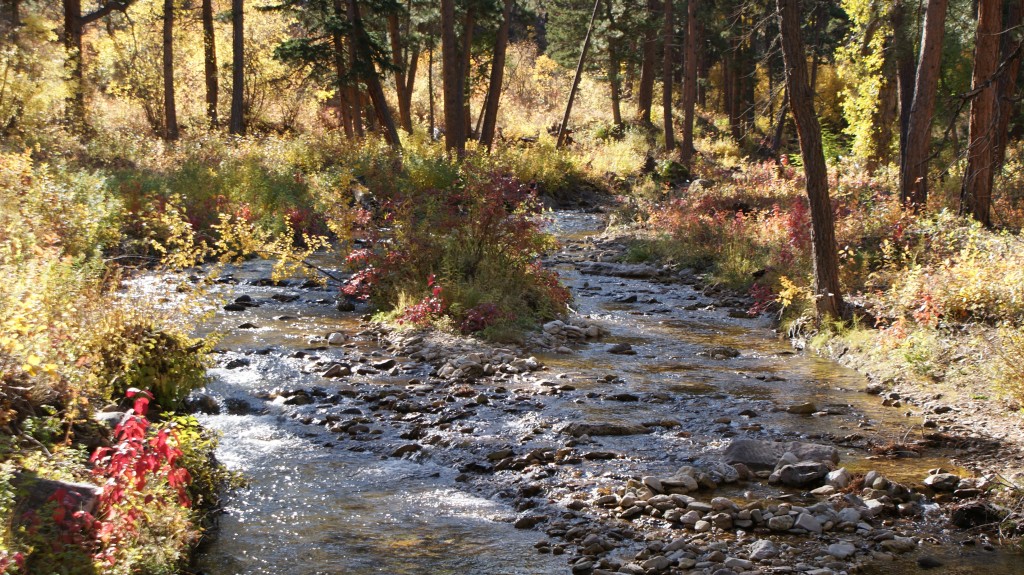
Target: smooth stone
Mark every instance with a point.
(803, 473)
(763, 549)
(764, 455)
(807, 522)
(840, 478)
(781, 523)
(943, 481)
(841, 550)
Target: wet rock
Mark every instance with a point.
(300, 397)
(406, 449)
(899, 545)
(237, 363)
(943, 481)
(284, 297)
(621, 349)
(528, 521)
(764, 455)
(801, 474)
(738, 565)
(657, 563)
(702, 526)
(975, 514)
(577, 429)
(202, 403)
(385, 364)
(841, 550)
(345, 305)
(928, 562)
(805, 408)
(237, 406)
(637, 271)
(720, 352)
(336, 338)
(338, 370)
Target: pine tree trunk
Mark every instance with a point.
(210, 63)
(645, 92)
(453, 80)
(668, 33)
(976, 193)
(237, 123)
(497, 77)
(398, 59)
(341, 74)
(73, 26)
(904, 48)
(170, 110)
(430, 89)
(914, 171)
(361, 43)
(467, 79)
(689, 80)
(564, 126)
(828, 298)
(1008, 81)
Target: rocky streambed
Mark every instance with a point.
(660, 429)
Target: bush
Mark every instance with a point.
(468, 252)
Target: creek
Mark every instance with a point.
(323, 502)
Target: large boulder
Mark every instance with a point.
(579, 429)
(765, 455)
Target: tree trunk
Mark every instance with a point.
(828, 298)
(361, 44)
(453, 80)
(237, 123)
(398, 59)
(11, 16)
(703, 69)
(780, 124)
(668, 32)
(467, 67)
(1008, 81)
(210, 63)
(645, 92)
(904, 48)
(976, 193)
(170, 111)
(497, 77)
(564, 126)
(341, 74)
(689, 80)
(355, 97)
(430, 89)
(614, 68)
(914, 171)
(73, 26)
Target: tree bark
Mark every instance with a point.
(467, 79)
(398, 59)
(914, 171)
(341, 75)
(904, 48)
(73, 29)
(828, 298)
(170, 110)
(614, 68)
(689, 80)
(1008, 81)
(236, 125)
(210, 63)
(361, 45)
(976, 193)
(453, 80)
(497, 77)
(668, 33)
(564, 126)
(430, 89)
(645, 92)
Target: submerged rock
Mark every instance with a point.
(765, 455)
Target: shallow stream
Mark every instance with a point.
(320, 503)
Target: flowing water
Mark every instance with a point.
(320, 503)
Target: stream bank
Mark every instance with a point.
(602, 449)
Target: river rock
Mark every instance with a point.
(800, 474)
(621, 349)
(763, 549)
(840, 478)
(942, 481)
(841, 550)
(338, 370)
(805, 408)
(807, 522)
(336, 338)
(33, 493)
(578, 429)
(781, 523)
(899, 545)
(764, 455)
(638, 271)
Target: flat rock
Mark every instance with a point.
(639, 271)
(577, 429)
(802, 473)
(943, 481)
(841, 550)
(760, 455)
(762, 550)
